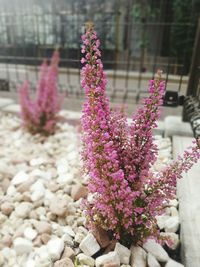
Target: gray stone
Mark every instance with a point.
(2, 218)
(20, 178)
(156, 250)
(79, 237)
(2, 260)
(11, 191)
(30, 233)
(37, 190)
(85, 260)
(151, 260)
(89, 245)
(42, 227)
(55, 248)
(161, 221)
(37, 241)
(172, 263)
(31, 263)
(138, 257)
(25, 186)
(101, 236)
(58, 207)
(111, 257)
(68, 230)
(64, 263)
(172, 224)
(37, 161)
(22, 245)
(68, 253)
(173, 240)
(23, 209)
(7, 240)
(123, 252)
(174, 211)
(45, 238)
(173, 203)
(7, 208)
(79, 191)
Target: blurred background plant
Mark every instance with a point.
(40, 115)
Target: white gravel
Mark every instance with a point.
(40, 195)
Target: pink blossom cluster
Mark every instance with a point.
(126, 194)
(41, 114)
(162, 186)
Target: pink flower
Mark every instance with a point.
(83, 60)
(41, 115)
(118, 158)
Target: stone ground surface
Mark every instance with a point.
(41, 222)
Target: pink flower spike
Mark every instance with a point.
(41, 114)
(118, 158)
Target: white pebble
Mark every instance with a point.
(22, 245)
(89, 245)
(55, 248)
(20, 177)
(30, 233)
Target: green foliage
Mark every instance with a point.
(143, 12)
(185, 16)
(146, 11)
(77, 263)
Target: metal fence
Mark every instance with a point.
(132, 49)
(191, 110)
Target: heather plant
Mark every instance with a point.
(40, 115)
(118, 157)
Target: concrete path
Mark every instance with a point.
(188, 191)
(69, 79)
(75, 102)
(5, 102)
(10, 106)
